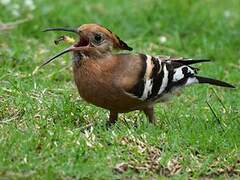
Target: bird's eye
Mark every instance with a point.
(98, 38)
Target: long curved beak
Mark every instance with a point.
(71, 48)
(74, 30)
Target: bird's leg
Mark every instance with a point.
(149, 112)
(112, 118)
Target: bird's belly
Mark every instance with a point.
(103, 94)
(95, 94)
(101, 97)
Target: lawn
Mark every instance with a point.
(45, 130)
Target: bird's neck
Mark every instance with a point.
(80, 57)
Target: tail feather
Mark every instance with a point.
(191, 61)
(213, 82)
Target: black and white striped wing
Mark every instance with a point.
(162, 75)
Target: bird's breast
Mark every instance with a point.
(95, 85)
(89, 80)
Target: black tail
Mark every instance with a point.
(190, 61)
(213, 82)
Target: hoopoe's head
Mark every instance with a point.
(92, 36)
(95, 35)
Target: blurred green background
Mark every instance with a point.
(43, 120)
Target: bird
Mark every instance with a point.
(122, 82)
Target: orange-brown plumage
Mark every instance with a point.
(125, 82)
(102, 82)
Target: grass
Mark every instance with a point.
(43, 121)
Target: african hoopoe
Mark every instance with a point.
(125, 82)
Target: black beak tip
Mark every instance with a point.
(45, 30)
(74, 30)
